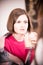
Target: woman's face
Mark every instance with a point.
(21, 25)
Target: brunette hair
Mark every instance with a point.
(13, 17)
(40, 21)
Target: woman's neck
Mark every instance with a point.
(18, 37)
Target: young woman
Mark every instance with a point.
(13, 45)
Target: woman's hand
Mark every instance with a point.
(31, 39)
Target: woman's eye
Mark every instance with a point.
(18, 21)
(25, 22)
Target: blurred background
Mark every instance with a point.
(31, 6)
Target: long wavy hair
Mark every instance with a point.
(40, 22)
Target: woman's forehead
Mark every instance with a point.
(22, 18)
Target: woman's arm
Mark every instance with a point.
(14, 59)
(6, 57)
